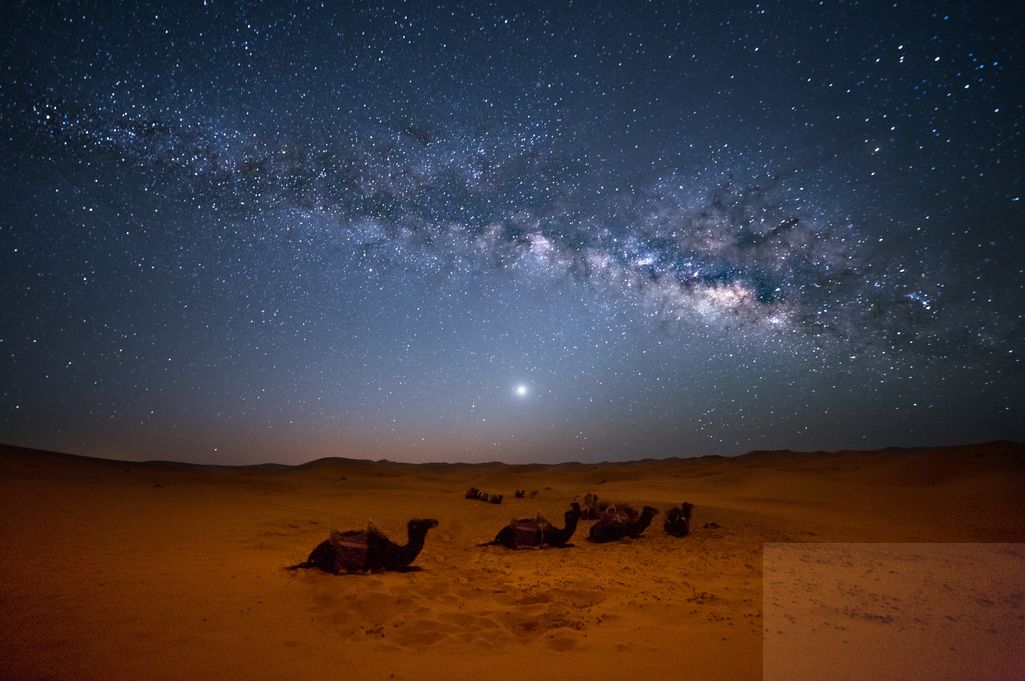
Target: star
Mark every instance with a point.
(188, 252)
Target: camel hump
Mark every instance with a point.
(528, 531)
(350, 549)
(349, 539)
(526, 524)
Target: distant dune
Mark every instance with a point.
(161, 570)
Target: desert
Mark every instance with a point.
(165, 571)
(506, 341)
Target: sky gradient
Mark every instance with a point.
(472, 232)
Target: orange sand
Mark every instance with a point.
(114, 570)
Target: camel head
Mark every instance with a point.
(422, 523)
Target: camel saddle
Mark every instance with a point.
(350, 551)
(530, 531)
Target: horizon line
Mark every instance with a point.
(753, 452)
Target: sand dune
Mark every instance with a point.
(116, 570)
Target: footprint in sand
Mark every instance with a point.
(421, 633)
(561, 643)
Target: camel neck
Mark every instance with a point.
(570, 525)
(415, 542)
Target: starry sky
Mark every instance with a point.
(237, 233)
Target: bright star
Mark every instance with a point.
(521, 390)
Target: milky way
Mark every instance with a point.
(277, 233)
(710, 249)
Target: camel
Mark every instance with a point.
(624, 521)
(592, 507)
(367, 550)
(520, 493)
(481, 495)
(537, 532)
(677, 522)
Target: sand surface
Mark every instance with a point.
(115, 570)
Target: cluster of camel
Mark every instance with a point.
(614, 521)
(371, 551)
(481, 495)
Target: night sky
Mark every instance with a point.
(472, 232)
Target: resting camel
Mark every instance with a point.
(368, 550)
(677, 522)
(592, 508)
(622, 522)
(534, 533)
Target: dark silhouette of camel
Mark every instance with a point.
(677, 522)
(368, 550)
(537, 532)
(620, 522)
(593, 508)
